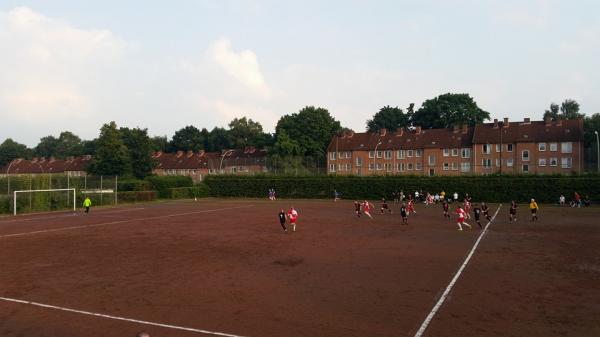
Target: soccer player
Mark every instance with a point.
(561, 200)
(477, 213)
(282, 220)
(367, 209)
(336, 195)
(461, 218)
(357, 208)
(533, 206)
(293, 215)
(446, 207)
(485, 209)
(513, 212)
(455, 196)
(404, 214)
(87, 203)
(384, 206)
(467, 206)
(411, 207)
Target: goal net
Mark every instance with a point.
(26, 201)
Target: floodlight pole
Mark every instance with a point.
(223, 157)
(8, 176)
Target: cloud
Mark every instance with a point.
(535, 16)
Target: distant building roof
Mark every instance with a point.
(46, 165)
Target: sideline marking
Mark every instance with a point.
(67, 214)
(175, 327)
(120, 221)
(439, 303)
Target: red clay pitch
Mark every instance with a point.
(226, 266)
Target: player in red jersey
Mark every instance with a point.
(367, 208)
(467, 206)
(293, 215)
(410, 207)
(461, 218)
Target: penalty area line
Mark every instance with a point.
(120, 222)
(439, 303)
(89, 313)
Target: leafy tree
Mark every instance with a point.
(111, 156)
(311, 128)
(569, 109)
(244, 132)
(188, 138)
(46, 147)
(553, 112)
(89, 146)
(388, 118)
(139, 145)
(69, 145)
(447, 110)
(285, 146)
(159, 143)
(205, 139)
(218, 139)
(10, 150)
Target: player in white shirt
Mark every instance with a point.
(461, 218)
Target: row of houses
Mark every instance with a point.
(193, 164)
(527, 147)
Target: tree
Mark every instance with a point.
(388, 118)
(218, 139)
(89, 146)
(111, 156)
(10, 150)
(159, 143)
(553, 112)
(68, 145)
(311, 128)
(139, 145)
(447, 110)
(188, 138)
(245, 132)
(46, 147)
(569, 109)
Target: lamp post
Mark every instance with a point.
(500, 124)
(598, 151)
(8, 176)
(375, 155)
(222, 157)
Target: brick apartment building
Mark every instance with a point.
(538, 147)
(72, 166)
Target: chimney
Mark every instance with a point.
(399, 132)
(455, 128)
(190, 153)
(201, 153)
(548, 120)
(418, 130)
(179, 154)
(495, 123)
(505, 122)
(465, 128)
(526, 121)
(383, 132)
(558, 121)
(34, 160)
(157, 154)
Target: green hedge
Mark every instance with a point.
(137, 196)
(489, 188)
(197, 191)
(162, 184)
(127, 185)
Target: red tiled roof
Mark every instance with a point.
(46, 165)
(205, 160)
(535, 131)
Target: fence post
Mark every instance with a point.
(116, 189)
(101, 194)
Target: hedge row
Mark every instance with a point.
(197, 191)
(137, 196)
(162, 184)
(489, 188)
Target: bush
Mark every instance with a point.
(162, 184)
(137, 196)
(489, 188)
(197, 191)
(126, 185)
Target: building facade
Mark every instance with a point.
(72, 166)
(539, 147)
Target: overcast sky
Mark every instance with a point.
(162, 65)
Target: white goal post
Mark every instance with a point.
(50, 190)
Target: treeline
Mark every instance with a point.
(299, 142)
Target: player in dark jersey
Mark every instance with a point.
(404, 214)
(513, 212)
(357, 208)
(485, 210)
(282, 220)
(477, 213)
(385, 206)
(446, 208)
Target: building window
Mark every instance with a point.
(331, 167)
(409, 166)
(446, 166)
(379, 154)
(358, 161)
(371, 166)
(332, 155)
(525, 168)
(409, 153)
(446, 152)
(454, 166)
(542, 162)
(509, 162)
(401, 167)
(348, 154)
(454, 152)
(379, 166)
(525, 155)
(371, 154)
(553, 161)
(400, 154)
(341, 167)
(553, 147)
(348, 167)
(418, 153)
(388, 154)
(388, 167)
(566, 162)
(486, 148)
(465, 152)
(566, 147)
(541, 146)
(498, 147)
(431, 159)
(465, 167)
(509, 147)
(418, 166)
(497, 162)
(487, 163)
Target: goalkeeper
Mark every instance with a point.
(87, 203)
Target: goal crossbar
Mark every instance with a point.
(49, 190)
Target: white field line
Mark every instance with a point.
(66, 214)
(120, 221)
(439, 303)
(162, 325)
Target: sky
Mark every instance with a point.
(163, 65)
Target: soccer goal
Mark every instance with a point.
(44, 200)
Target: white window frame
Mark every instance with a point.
(541, 161)
(553, 161)
(446, 166)
(523, 168)
(566, 147)
(566, 162)
(454, 152)
(400, 154)
(409, 166)
(498, 147)
(379, 154)
(465, 166)
(348, 167)
(400, 167)
(418, 153)
(371, 154)
(454, 166)
(332, 155)
(418, 166)
(359, 161)
(553, 147)
(371, 167)
(388, 154)
(486, 163)
(497, 162)
(465, 152)
(523, 155)
(388, 167)
(541, 147)
(430, 161)
(509, 147)
(486, 148)
(409, 153)
(331, 167)
(446, 152)
(379, 166)
(509, 162)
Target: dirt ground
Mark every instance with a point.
(226, 266)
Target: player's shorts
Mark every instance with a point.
(513, 211)
(461, 220)
(293, 220)
(385, 206)
(534, 211)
